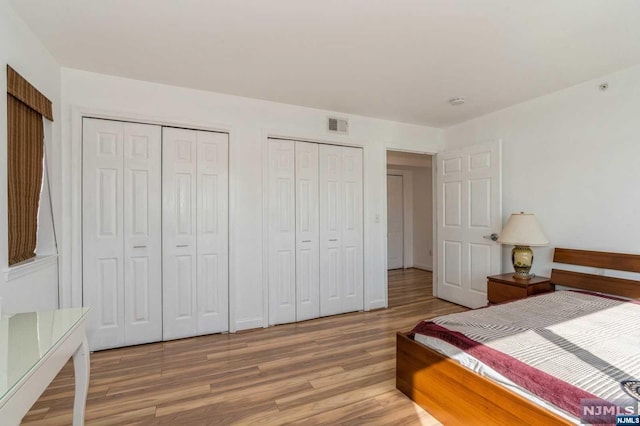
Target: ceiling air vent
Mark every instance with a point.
(337, 125)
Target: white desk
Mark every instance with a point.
(33, 348)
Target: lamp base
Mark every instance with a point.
(522, 259)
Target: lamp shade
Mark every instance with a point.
(523, 229)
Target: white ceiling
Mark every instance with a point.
(395, 59)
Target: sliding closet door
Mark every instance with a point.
(195, 232)
(282, 235)
(212, 219)
(179, 180)
(121, 232)
(307, 232)
(341, 259)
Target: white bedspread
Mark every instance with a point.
(588, 341)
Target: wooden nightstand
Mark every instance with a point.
(502, 288)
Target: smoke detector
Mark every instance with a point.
(456, 101)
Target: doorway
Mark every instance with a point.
(409, 211)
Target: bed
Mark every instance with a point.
(455, 394)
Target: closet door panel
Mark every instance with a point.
(102, 228)
(179, 179)
(331, 223)
(142, 233)
(307, 232)
(282, 235)
(352, 230)
(212, 232)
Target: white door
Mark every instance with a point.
(469, 210)
(282, 232)
(195, 232)
(395, 222)
(212, 221)
(307, 232)
(102, 232)
(179, 180)
(121, 232)
(352, 230)
(142, 233)
(341, 258)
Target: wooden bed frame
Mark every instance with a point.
(456, 395)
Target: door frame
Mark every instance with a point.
(70, 289)
(407, 216)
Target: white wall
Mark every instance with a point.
(249, 122)
(422, 218)
(36, 288)
(573, 159)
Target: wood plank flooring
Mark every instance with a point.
(334, 370)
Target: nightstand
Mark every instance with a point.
(502, 288)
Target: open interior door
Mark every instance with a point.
(469, 204)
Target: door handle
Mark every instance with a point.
(305, 241)
(182, 245)
(492, 237)
(333, 239)
(139, 246)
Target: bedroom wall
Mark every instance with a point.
(572, 158)
(34, 287)
(422, 218)
(250, 121)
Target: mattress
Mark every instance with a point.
(559, 349)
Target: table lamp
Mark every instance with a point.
(522, 231)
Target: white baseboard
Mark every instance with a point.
(423, 267)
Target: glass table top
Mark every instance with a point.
(26, 338)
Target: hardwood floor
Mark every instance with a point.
(334, 370)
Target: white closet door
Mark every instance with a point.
(121, 232)
(307, 232)
(341, 227)
(179, 179)
(352, 228)
(102, 230)
(142, 233)
(212, 232)
(282, 236)
(331, 222)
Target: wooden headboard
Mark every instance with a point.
(599, 283)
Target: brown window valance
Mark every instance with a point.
(22, 90)
(25, 149)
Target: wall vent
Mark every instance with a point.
(337, 125)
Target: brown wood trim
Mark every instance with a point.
(599, 283)
(598, 259)
(456, 395)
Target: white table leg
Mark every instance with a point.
(81, 368)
